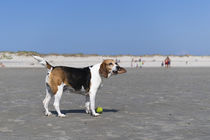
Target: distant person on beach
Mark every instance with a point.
(162, 64)
(186, 62)
(132, 63)
(117, 60)
(140, 63)
(167, 62)
(136, 63)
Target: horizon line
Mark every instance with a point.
(30, 53)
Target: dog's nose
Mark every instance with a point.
(118, 67)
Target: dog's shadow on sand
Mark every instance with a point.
(82, 111)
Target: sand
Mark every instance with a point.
(16, 60)
(143, 104)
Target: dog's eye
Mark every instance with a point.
(110, 64)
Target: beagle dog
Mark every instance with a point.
(85, 80)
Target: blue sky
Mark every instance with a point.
(108, 27)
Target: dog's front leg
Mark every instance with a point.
(92, 103)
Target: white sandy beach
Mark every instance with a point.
(16, 60)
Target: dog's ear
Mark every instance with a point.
(121, 70)
(103, 70)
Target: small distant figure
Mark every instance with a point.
(117, 60)
(136, 63)
(186, 62)
(132, 63)
(140, 63)
(162, 64)
(167, 62)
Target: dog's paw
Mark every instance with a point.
(48, 113)
(96, 114)
(62, 115)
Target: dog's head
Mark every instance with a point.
(110, 67)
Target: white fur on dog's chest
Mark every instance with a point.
(95, 77)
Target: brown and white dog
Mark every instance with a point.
(80, 80)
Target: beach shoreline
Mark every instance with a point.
(22, 60)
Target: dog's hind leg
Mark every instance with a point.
(57, 100)
(87, 104)
(47, 100)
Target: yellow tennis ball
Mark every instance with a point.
(99, 109)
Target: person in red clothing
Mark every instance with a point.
(167, 62)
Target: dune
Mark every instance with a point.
(25, 59)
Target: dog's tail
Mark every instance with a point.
(43, 62)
